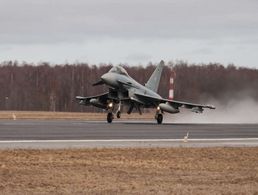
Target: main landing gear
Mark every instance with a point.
(159, 116)
(110, 117)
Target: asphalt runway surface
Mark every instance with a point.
(75, 133)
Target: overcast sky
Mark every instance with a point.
(130, 31)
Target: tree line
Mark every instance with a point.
(48, 87)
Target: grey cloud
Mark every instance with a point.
(30, 21)
(138, 57)
(129, 31)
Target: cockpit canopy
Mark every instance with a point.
(119, 70)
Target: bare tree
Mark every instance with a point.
(54, 87)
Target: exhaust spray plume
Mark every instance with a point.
(239, 110)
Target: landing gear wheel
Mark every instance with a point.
(110, 117)
(118, 114)
(159, 118)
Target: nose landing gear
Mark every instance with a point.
(110, 109)
(110, 115)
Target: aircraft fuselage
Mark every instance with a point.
(127, 83)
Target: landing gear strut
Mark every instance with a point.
(118, 114)
(110, 117)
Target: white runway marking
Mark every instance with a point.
(129, 140)
(127, 143)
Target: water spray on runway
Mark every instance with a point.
(239, 110)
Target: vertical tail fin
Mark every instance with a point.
(153, 82)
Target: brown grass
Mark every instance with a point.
(130, 171)
(68, 115)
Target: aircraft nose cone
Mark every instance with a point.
(108, 79)
(104, 77)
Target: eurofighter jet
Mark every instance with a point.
(124, 90)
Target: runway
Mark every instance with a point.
(75, 133)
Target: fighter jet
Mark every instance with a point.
(124, 90)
